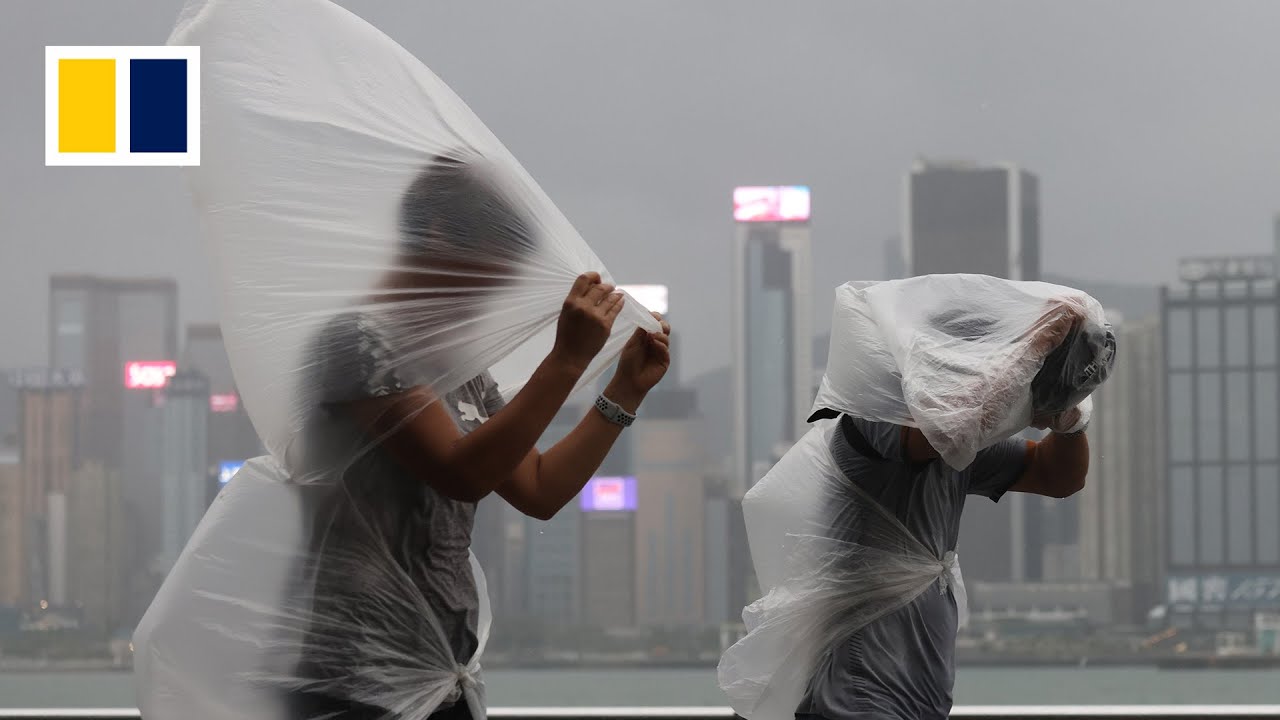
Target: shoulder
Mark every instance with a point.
(1012, 451)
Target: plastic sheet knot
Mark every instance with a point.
(465, 678)
(947, 572)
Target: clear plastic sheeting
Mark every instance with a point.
(967, 359)
(224, 635)
(370, 237)
(830, 560)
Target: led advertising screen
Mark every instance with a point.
(609, 494)
(774, 204)
(148, 374)
(652, 297)
(227, 469)
(224, 403)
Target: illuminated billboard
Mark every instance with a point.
(652, 297)
(148, 374)
(228, 469)
(609, 494)
(224, 403)
(774, 204)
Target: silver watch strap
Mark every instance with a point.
(613, 412)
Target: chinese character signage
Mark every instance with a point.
(1229, 591)
(45, 378)
(1227, 268)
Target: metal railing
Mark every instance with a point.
(973, 712)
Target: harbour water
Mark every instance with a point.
(685, 687)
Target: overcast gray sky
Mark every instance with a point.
(1152, 124)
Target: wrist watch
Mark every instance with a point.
(613, 412)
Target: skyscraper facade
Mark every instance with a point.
(1222, 419)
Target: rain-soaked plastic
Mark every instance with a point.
(370, 237)
(970, 360)
(830, 560)
(967, 359)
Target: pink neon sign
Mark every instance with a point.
(148, 374)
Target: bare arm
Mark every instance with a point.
(417, 430)
(546, 483)
(423, 437)
(1057, 466)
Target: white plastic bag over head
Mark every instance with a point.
(967, 359)
(369, 236)
(970, 360)
(830, 560)
(333, 159)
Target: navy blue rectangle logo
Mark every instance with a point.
(158, 106)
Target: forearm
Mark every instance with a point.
(1063, 461)
(491, 453)
(565, 469)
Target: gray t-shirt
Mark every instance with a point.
(377, 529)
(902, 666)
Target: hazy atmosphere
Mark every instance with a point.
(1151, 125)
(408, 450)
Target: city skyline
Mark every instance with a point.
(865, 91)
(320, 502)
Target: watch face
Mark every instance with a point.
(613, 412)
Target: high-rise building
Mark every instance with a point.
(1119, 536)
(122, 334)
(607, 531)
(11, 529)
(771, 329)
(50, 441)
(185, 467)
(100, 325)
(669, 511)
(971, 218)
(1222, 415)
(961, 217)
(96, 547)
(608, 578)
(772, 345)
(552, 550)
(554, 568)
(721, 511)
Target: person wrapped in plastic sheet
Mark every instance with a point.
(401, 472)
(854, 532)
(405, 312)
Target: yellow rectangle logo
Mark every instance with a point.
(86, 105)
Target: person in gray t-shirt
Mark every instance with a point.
(394, 471)
(902, 666)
